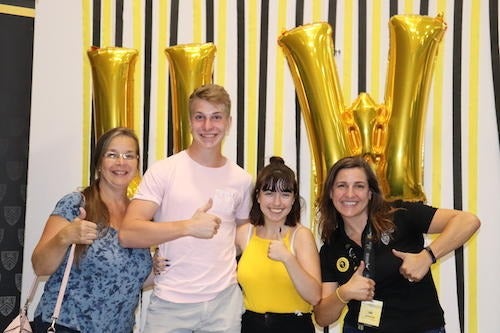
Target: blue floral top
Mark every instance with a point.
(103, 288)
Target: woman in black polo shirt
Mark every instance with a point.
(393, 291)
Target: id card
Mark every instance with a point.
(370, 313)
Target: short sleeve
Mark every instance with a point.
(416, 214)
(327, 272)
(246, 201)
(155, 182)
(69, 206)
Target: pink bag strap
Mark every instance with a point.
(62, 289)
(34, 284)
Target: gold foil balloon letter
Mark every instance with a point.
(309, 53)
(389, 135)
(113, 82)
(190, 67)
(414, 42)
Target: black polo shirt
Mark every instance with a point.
(407, 307)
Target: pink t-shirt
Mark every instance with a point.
(199, 268)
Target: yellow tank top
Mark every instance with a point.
(266, 285)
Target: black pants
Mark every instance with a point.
(252, 322)
(39, 326)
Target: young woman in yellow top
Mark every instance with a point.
(279, 269)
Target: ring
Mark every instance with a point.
(410, 280)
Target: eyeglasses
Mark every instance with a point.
(112, 155)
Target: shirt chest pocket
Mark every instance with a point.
(224, 203)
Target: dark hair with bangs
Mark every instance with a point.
(276, 177)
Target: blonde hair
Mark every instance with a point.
(214, 94)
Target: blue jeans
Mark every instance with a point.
(350, 329)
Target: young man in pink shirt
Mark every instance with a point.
(190, 204)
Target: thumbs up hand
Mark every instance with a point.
(277, 249)
(203, 224)
(359, 287)
(414, 266)
(80, 231)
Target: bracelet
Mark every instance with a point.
(433, 257)
(338, 296)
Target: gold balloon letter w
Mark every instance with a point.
(390, 135)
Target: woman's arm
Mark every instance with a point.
(455, 227)
(57, 236)
(329, 308)
(241, 239)
(303, 268)
(334, 298)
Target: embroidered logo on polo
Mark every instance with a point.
(386, 236)
(342, 264)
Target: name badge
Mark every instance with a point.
(370, 313)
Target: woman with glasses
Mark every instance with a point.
(373, 259)
(105, 279)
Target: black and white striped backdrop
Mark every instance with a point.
(461, 134)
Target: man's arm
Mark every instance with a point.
(138, 231)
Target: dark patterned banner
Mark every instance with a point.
(16, 58)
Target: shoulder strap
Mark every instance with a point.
(292, 240)
(249, 235)
(62, 289)
(31, 294)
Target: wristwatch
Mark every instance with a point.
(429, 250)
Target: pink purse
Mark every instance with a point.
(21, 324)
